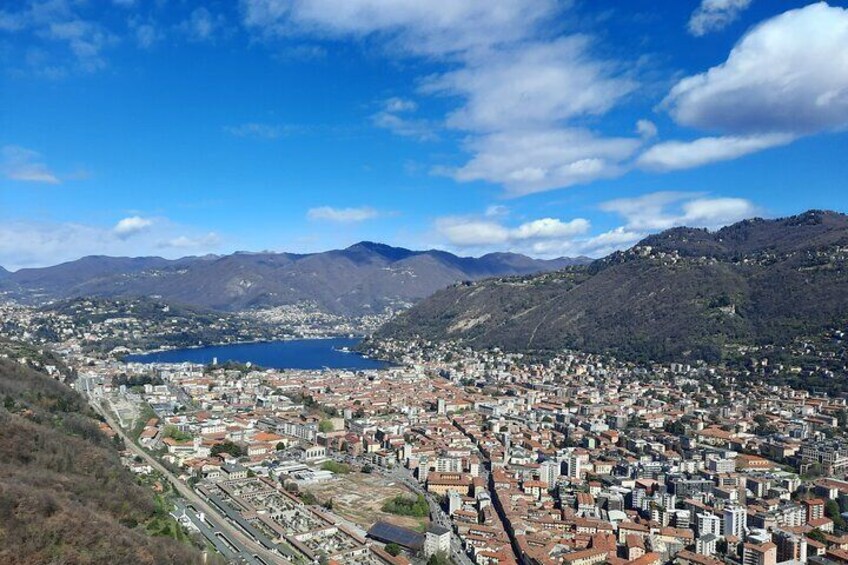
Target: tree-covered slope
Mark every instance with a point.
(681, 293)
(64, 495)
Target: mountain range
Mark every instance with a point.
(683, 293)
(364, 278)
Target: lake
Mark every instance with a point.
(291, 354)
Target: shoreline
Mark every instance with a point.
(241, 342)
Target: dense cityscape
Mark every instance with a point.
(468, 456)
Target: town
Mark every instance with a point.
(477, 457)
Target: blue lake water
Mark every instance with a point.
(292, 354)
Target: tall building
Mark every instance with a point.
(454, 502)
(549, 471)
(814, 508)
(440, 406)
(708, 524)
(790, 546)
(682, 519)
(574, 466)
(706, 545)
(436, 540)
(735, 521)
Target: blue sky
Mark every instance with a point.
(132, 127)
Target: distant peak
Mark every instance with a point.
(383, 250)
(374, 246)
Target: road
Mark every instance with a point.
(192, 497)
(437, 515)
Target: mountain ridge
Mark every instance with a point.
(682, 293)
(366, 277)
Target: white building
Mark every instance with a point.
(437, 540)
(708, 524)
(548, 472)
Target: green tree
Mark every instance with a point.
(406, 506)
(817, 535)
(393, 549)
(227, 447)
(831, 510)
(325, 426)
(176, 434)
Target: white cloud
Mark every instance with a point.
(534, 161)
(58, 21)
(434, 27)
(550, 228)
(545, 237)
(786, 78)
(472, 233)
(37, 244)
(397, 105)
(662, 210)
(674, 155)
(26, 165)
(593, 246)
(609, 241)
(496, 210)
(551, 237)
(342, 215)
(476, 232)
(716, 212)
(531, 86)
(208, 241)
(646, 129)
(85, 39)
(715, 15)
(203, 25)
(392, 117)
(517, 85)
(789, 74)
(147, 34)
(131, 226)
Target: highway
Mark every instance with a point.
(244, 544)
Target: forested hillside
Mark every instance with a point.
(682, 294)
(65, 498)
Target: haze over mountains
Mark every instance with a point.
(363, 278)
(683, 293)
